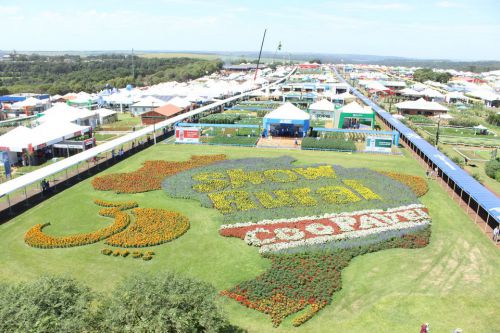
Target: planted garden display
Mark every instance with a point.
(148, 227)
(309, 220)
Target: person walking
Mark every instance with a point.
(496, 233)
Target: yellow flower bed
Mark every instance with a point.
(152, 226)
(35, 236)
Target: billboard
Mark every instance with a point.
(378, 144)
(187, 135)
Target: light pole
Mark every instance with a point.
(437, 132)
(154, 124)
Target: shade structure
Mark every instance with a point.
(323, 105)
(16, 140)
(421, 104)
(289, 116)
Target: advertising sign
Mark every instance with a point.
(6, 163)
(187, 135)
(378, 144)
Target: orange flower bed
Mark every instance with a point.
(35, 236)
(150, 176)
(152, 227)
(417, 184)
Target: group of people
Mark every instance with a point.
(430, 173)
(44, 184)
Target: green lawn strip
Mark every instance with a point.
(451, 283)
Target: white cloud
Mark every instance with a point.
(449, 4)
(9, 10)
(376, 6)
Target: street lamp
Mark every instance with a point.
(154, 123)
(437, 132)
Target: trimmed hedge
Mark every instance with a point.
(220, 118)
(328, 143)
(233, 140)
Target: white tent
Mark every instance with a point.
(287, 111)
(16, 140)
(419, 86)
(455, 95)
(182, 103)
(354, 107)
(61, 112)
(54, 132)
(421, 104)
(322, 105)
(29, 102)
(410, 92)
(431, 93)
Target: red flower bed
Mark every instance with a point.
(150, 176)
(307, 280)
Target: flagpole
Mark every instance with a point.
(260, 53)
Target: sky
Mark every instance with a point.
(444, 29)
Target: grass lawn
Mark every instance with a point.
(125, 123)
(461, 135)
(473, 167)
(104, 137)
(451, 283)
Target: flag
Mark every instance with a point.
(279, 46)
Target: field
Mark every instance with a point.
(462, 135)
(453, 282)
(179, 55)
(475, 154)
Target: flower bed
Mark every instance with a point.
(152, 227)
(257, 189)
(149, 177)
(35, 236)
(417, 184)
(308, 280)
(345, 213)
(329, 231)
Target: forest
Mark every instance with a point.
(74, 73)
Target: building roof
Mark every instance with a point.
(167, 110)
(61, 112)
(149, 101)
(323, 105)
(410, 92)
(182, 103)
(104, 112)
(421, 104)
(288, 111)
(16, 139)
(432, 93)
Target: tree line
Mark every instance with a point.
(424, 74)
(166, 303)
(72, 73)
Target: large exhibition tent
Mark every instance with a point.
(421, 106)
(286, 120)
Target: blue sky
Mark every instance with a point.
(463, 29)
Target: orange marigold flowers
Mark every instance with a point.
(152, 227)
(150, 176)
(417, 184)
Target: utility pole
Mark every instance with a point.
(133, 65)
(260, 53)
(437, 132)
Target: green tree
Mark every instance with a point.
(49, 304)
(492, 168)
(164, 303)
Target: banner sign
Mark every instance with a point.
(6, 163)
(378, 144)
(187, 135)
